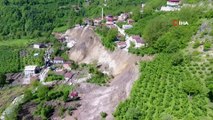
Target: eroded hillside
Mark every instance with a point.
(120, 64)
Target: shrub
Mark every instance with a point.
(207, 46)
(103, 114)
(196, 44)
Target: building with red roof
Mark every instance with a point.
(137, 40)
(173, 3)
(121, 44)
(68, 75)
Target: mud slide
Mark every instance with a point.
(120, 64)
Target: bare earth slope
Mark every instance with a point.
(120, 64)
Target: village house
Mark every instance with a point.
(123, 17)
(58, 60)
(39, 45)
(88, 21)
(130, 21)
(97, 21)
(66, 66)
(121, 44)
(68, 76)
(109, 18)
(125, 27)
(137, 40)
(73, 95)
(172, 5)
(30, 70)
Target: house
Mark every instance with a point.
(109, 18)
(66, 66)
(58, 60)
(109, 23)
(39, 45)
(130, 21)
(30, 70)
(121, 44)
(73, 95)
(70, 44)
(168, 8)
(173, 3)
(88, 21)
(97, 21)
(125, 27)
(123, 17)
(139, 42)
(68, 76)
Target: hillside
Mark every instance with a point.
(120, 64)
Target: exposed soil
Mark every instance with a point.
(122, 65)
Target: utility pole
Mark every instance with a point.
(102, 14)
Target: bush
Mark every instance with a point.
(103, 114)
(2, 79)
(177, 59)
(192, 87)
(196, 44)
(207, 46)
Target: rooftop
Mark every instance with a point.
(30, 67)
(138, 39)
(68, 75)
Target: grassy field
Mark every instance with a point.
(60, 29)
(17, 42)
(8, 94)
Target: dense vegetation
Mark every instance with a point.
(169, 92)
(108, 37)
(180, 86)
(97, 77)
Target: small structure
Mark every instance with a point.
(68, 75)
(73, 95)
(58, 60)
(66, 66)
(130, 21)
(88, 21)
(139, 42)
(30, 70)
(125, 27)
(97, 21)
(173, 3)
(39, 45)
(121, 45)
(109, 18)
(109, 23)
(123, 17)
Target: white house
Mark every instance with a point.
(168, 8)
(173, 3)
(125, 27)
(58, 60)
(39, 45)
(97, 22)
(30, 70)
(137, 40)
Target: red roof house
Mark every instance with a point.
(138, 41)
(68, 75)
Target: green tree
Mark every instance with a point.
(2, 80)
(192, 87)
